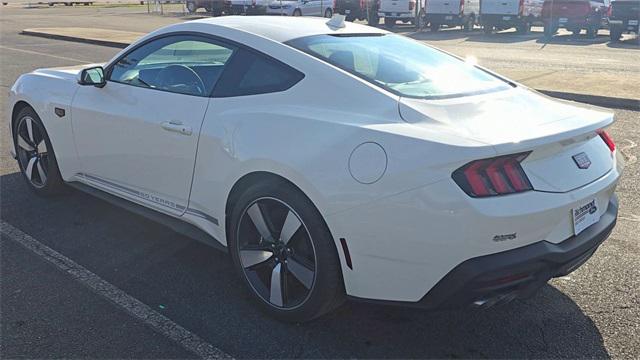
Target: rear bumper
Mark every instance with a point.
(445, 19)
(576, 22)
(396, 15)
(518, 273)
(501, 19)
(625, 25)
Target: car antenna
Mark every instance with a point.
(336, 21)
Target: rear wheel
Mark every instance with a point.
(524, 28)
(422, 21)
(35, 154)
(488, 29)
(389, 22)
(328, 13)
(549, 31)
(468, 25)
(297, 12)
(615, 34)
(284, 252)
(434, 27)
(373, 19)
(592, 31)
(191, 7)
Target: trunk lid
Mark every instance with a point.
(519, 120)
(443, 7)
(565, 8)
(500, 7)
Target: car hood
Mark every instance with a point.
(512, 119)
(64, 73)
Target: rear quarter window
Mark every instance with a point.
(251, 73)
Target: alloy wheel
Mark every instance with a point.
(32, 152)
(277, 253)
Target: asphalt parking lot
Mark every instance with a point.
(46, 313)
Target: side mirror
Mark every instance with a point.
(92, 76)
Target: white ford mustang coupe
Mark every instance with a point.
(330, 160)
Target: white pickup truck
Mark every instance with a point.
(505, 14)
(394, 10)
(452, 13)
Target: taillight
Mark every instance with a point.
(521, 7)
(461, 6)
(609, 11)
(607, 139)
(412, 5)
(495, 176)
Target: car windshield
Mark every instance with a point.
(400, 65)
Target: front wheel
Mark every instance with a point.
(35, 155)
(284, 252)
(297, 12)
(434, 27)
(592, 32)
(488, 29)
(328, 13)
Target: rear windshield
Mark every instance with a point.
(401, 65)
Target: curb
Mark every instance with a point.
(110, 43)
(597, 100)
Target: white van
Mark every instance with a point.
(394, 10)
(505, 14)
(449, 13)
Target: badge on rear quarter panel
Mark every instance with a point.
(582, 160)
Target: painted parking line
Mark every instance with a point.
(134, 307)
(45, 54)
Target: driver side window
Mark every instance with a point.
(181, 64)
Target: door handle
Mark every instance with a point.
(176, 126)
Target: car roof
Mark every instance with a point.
(284, 28)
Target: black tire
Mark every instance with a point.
(389, 23)
(422, 21)
(191, 7)
(373, 19)
(488, 29)
(350, 18)
(435, 27)
(615, 34)
(592, 31)
(524, 28)
(576, 31)
(468, 25)
(43, 162)
(297, 12)
(325, 292)
(328, 13)
(549, 31)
